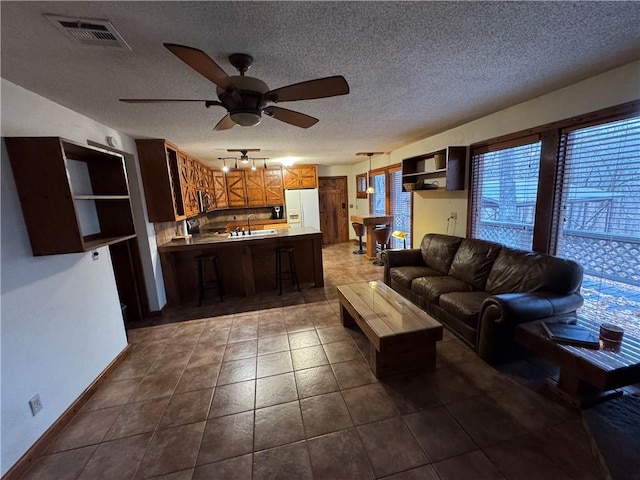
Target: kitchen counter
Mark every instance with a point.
(247, 263)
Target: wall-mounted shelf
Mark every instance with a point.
(427, 169)
(49, 173)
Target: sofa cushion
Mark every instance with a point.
(473, 261)
(464, 305)
(508, 270)
(552, 274)
(438, 251)
(430, 288)
(405, 275)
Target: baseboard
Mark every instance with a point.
(25, 462)
(154, 313)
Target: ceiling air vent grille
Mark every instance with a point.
(94, 32)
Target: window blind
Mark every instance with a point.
(504, 186)
(400, 207)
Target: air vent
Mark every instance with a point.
(89, 31)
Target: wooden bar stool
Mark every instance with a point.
(359, 228)
(382, 235)
(215, 282)
(291, 273)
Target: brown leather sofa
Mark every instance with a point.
(481, 290)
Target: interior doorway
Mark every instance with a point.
(333, 209)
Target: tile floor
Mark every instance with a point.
(281, 390)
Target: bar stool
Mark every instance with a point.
(359, 228)
(291, 273)
(382, 236)
(202, 282)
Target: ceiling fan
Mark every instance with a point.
(246, 98)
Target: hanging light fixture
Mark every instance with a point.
(253, 165)
(225, 169)
(370, 190)
(264, 163)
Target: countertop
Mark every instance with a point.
(202, 240)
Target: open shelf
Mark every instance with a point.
(426, 168)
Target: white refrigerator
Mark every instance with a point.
(302, 207)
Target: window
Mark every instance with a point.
(504, 186)
(572, 189)
(361, 185)
(389, 199)
(378, 200)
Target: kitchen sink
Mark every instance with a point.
(255, 233)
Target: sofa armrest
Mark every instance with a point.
(400, 258)
(501, 314)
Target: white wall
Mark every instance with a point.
(61, 323)
(431, 209)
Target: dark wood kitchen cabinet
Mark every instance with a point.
(220, 189)
(236, 191)
(74, 198)
(273, 186)
(300, 176)
(254, 184)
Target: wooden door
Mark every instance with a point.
(220, 189)
(273, 186)
(235, 189)
(254, 183)
(333, 209)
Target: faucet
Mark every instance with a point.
(249, 222)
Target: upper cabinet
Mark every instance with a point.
(441, 170)
(273, 186)
(74, 198)
(220, 189)
(300, 176)
(236, 189)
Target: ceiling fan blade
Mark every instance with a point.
(225, 124)
(159, 100)
(289, 116)
(319, 88)
(203, 64)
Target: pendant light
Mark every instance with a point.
(370, 190)
(253, 165)
(225, 169)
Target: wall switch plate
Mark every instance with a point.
(36, 404)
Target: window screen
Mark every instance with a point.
(504, 187)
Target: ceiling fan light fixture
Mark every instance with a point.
(246, 119)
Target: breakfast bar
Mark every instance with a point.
(247, 263)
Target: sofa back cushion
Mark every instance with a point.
(520, 271)
(438, 251)
(473, 261)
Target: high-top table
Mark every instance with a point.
(402, 336)
(370, 221)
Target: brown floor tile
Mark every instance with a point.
(421, 473)
(214, 337)
(439, 435)
(484, 421)
(238, 350)
(233, 398)
(341, 351)
(324, 414)
(308, 357)
(111, 394)
(274, 364)
(274, 344)
(198, 378)
(180, 475)
(410, 392)
(353, 374)
(470, 465)
(186, 408)
(390, 447)
(315, 381)
(117, 459)
(170, 362)
(156, 386)
(339, 456)
(274, 328)
(369, 403)
(278, 425)
(453, 352)
(86, 428)
(137, 418)
(238, 468)
(449, 386)
(226, 437)
(240, 333)
(524, 458)
(298, 325)
(171, 450)
(61, 466)
(527, 408)
(206, 354)
(307, 338)
(286, 462)
(336, 333)
(270, 316)
(237, 371)
(483, 377)
(275, 389)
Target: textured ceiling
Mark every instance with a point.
(414, 68)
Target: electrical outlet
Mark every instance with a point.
(95, 255)
(454, 215)
(36, 404)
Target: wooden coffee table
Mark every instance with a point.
(402, 337)
(586, 376)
